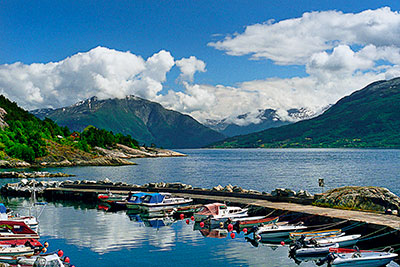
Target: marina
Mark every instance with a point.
(74, 217)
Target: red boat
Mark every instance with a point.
(11, 230)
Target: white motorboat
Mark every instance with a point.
(313, 250)
(342, 240)
(278, 230)
(365, 259)
(31, 221)
(218, 212)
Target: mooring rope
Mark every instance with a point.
(346, 228)
(327, 225)
(372, 237)
(380, 248)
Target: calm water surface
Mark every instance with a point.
(92, 237)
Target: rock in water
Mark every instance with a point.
(361, 198)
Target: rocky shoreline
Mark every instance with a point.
(118, 156)
(33, 175)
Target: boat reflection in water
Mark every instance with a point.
(149, 221)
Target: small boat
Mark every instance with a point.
(219, 212)
(16, 251)
(278, 230)
(159, 202)
(33, 243)
(48, 260)
(247, 222)
(313, 234)
(313, 250)
(31, 221)
(11, 230)
(342, 240)
(365, 259)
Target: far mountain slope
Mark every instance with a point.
(367, 118)
(146, 121)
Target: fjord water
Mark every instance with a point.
(92, 237)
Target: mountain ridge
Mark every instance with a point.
(144, 120)
(369, 117)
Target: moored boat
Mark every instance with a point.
(314, 250)
(31, 221)
(33, 243)
(219, 212)
(342, 240)
(363, 258)
(16, 251)
(160, 202)
(278, 230)
(247, 222)
(11, 230)
(313, 234)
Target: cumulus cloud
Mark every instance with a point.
(294, 41)
(189, 66)
(101, 72)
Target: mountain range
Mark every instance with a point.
(369, 117)
(146, 121)
(267, 118)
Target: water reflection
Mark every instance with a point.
(134, 239)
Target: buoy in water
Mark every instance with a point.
(182, 216)
(201, 224)
(282, 243)
(44, 250)
(230, 227)
(46, 244)
(187, 221)
(232, 235)
(66, 260)
(60, 253)
(245, 230)
(192, 218)
(221, 225)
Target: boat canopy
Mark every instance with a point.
(211, 209)
(153, 198)
(136, 197)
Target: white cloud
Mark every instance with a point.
(189, 66)
(103, 72)
(294, 41)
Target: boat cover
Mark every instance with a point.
(153, 198)
(137, 198)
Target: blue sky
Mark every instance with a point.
(50, 31)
